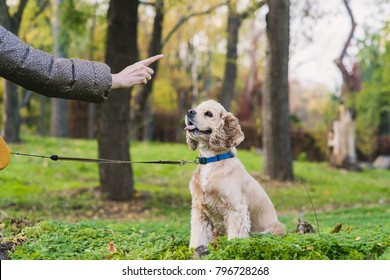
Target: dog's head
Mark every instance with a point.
(210, 124)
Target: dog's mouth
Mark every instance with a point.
(193, 129)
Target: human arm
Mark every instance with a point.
(74, 79)
(50, 76)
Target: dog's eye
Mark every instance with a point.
(208, 114)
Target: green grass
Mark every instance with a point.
(71, 221)
(160, 240)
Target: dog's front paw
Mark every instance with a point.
(201, 251)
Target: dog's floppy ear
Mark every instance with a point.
(192, 144)
(228, 134)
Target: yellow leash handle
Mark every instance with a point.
(5, 154)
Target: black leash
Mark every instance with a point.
(110, 161)
(197, 160)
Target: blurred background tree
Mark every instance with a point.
(11, 18)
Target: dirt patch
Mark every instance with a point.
(16, 226)
(266, 182)
(131, 210)
(3, 253)
(10, 246)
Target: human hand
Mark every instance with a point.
(137, 73)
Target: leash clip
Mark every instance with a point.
(184, 162)
(196, 160)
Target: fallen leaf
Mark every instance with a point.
(111, 247)
(358, 238)
(337, 228)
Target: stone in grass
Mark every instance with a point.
(200, 251)
(382, 162)
(304, 227)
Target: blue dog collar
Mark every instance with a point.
(205, 160)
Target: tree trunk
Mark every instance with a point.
(78, 119)
(193, 71)
(11, 117)
(233, 25)
(92, 106)
(230, 75)
(341, 139)
(250, 99)
(144, 115)
(81, 117)
(276, 136)
(59, 117)
(91, 120)
(42, 118)
(59, 107)
(113, 115)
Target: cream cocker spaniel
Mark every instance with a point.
(224, 195)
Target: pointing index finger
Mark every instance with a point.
(150, 60)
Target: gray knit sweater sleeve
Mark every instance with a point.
(41, 72)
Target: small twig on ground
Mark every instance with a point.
(312, 205)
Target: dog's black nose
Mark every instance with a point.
(191, 112)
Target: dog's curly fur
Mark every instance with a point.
(224, 195)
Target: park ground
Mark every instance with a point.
(54, 210)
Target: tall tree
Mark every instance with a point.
(156, 46)
(342, 141)
(250, 99)
(275, 111)
(59, 107)
(234, 21)
(230, 76)
(81, 20)
(91, 51)
(113, 115)
(11, 118)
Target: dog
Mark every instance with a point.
(225, 197)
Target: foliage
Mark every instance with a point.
(71, 221)
(89, 240)
(36, 25)
(166, 97)
(81, 24)
(158, 241)
(304, 247)
(373, 103)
